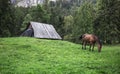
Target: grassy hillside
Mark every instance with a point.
(40, 56)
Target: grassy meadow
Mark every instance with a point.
(24, 55)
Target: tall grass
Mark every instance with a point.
(40, 56)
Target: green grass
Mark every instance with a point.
(39, 56)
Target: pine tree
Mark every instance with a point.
(83, 19)
(68, 26)
(107, 20)
(6, 19)
(26, 21)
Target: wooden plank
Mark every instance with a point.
(45, 26)
(38, 30)
(53, 32)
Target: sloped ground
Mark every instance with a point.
(39, 56)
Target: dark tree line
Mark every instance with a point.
(71, 18)
(6, 18)
(107, 21)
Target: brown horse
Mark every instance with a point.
(91, 39)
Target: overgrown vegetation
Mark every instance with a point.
(39, 56)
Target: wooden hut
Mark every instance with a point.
(41, 30)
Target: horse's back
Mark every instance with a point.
(89, 37)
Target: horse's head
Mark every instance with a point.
(99, 46)
(80, 37)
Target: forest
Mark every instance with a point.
(71, 18)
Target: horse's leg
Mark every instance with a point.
(93, 47)
(90, 47)
(82, 44)
(85, 45)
